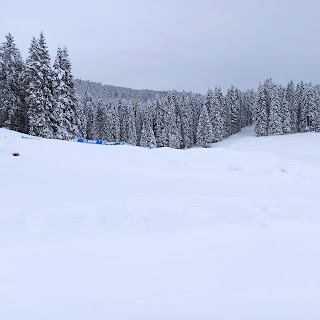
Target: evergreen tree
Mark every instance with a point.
(185, 115)
(204, 132)
(100, 122)
(286, 113)
(166, 126)
(132, 133)
(12, 88)
(196, 107)
(299, 92)
(65, 111)
(39, 89)
(215, 114)
(179, 131)
(292, 106)
(112, 124)
(309, 111)
(170, 120)
(317, 98)
(233, 103)
(248, 108)
(139, 120)
(89, 115)
(123, 120)
(275, 115)
(147, 135)
(260, 113)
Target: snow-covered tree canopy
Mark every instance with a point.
(45, 100)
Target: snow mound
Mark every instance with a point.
(58, 186)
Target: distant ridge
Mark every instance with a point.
(110, 93)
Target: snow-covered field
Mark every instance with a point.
(119, 232)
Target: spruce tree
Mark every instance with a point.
(12, 88)
(196, 106)
(204, 131)
(260, 113)
(166, 126)
(39, 89)
(275, 114)
(123, 119)
(233, 104)
(286, 113)
(112, 124)
(290, 97)
(147, 135)
(171, 122)
(215, 113)
(132, 133)
(100, 122)
(89, 116)
(299, 92)
(309, 111)
(185, 113)
(138, 119)
(65, 111)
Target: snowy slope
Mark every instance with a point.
(305, 147)
(121, 232)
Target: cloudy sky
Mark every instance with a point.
(175, 44)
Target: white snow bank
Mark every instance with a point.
(119, 232)
(57, 186)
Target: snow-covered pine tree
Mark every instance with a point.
(12, 89)
(186, 122)
(100, 122)
(215, 115)
(224, 115)
(112, 124)
(179, 130)
(166, 126)
(275, 113)
(204, 131)
(261, 113)
(88, 110)
(39, 89)
(159, 109)
(317, 98)
(147, 135)
(65, 111)
(299, 92)
(286, 112)
(132, 133)
(171, 121)
(81, 120)
(196, 104)
(233, 103)
(251, 94)
(208, 102)
(138, 119)
(123, 119)
(248, 100)
(309, 111)
(290, 97)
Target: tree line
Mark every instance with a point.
(41, 99)
(282, 110)
(35, 97)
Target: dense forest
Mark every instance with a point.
(43, 99)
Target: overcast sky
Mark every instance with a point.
(175, 44)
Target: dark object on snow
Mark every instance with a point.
(15, 154)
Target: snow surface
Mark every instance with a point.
(120, 232)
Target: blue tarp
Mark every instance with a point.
(100, 142)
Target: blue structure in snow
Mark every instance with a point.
(106, 143)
